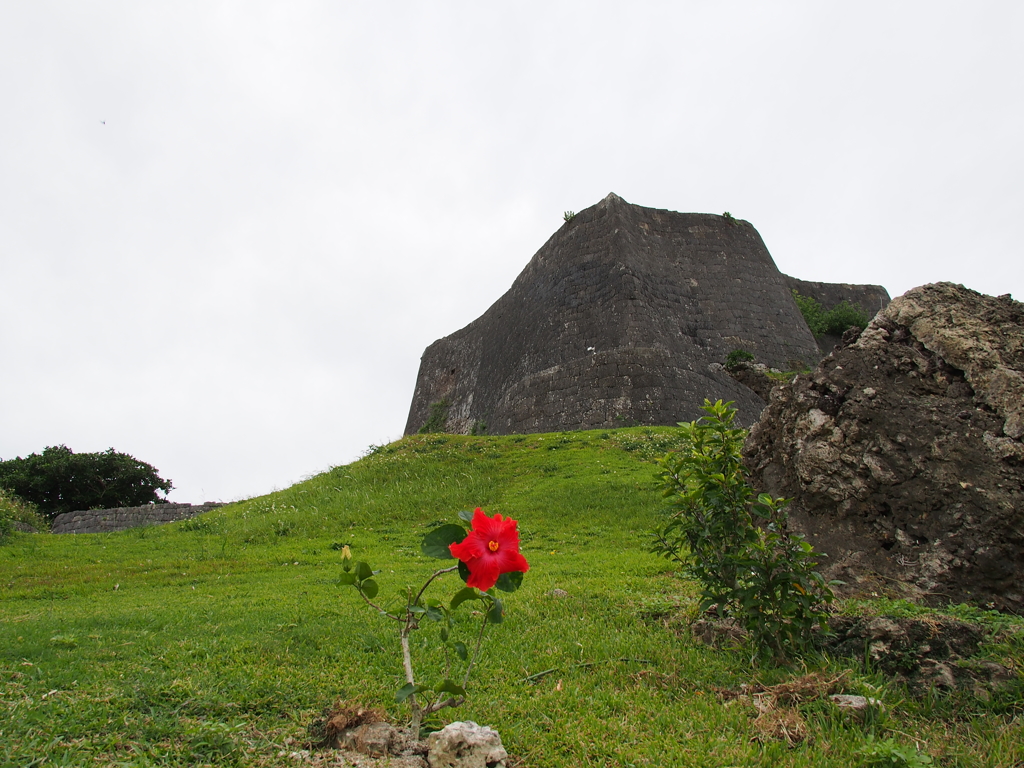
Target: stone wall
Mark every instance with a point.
(624, 317)
(870, 298)
(107, 520)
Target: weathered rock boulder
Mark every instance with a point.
(902, 452)
(466, 745)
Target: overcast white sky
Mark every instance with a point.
(228, 230)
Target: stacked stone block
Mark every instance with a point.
(108, 520)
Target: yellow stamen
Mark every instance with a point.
(493, 546)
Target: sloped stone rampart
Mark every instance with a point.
(623, 317)
(108, 520)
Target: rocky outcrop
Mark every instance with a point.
(623, 317)
(902, 452)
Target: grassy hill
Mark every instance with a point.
(219, 639)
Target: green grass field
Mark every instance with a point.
(220, 639)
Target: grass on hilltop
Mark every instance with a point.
(218, 640)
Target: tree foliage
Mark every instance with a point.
(737, 543)
(833, 321)
(60, 480)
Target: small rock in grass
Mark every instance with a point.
(856, 705)
(374, 739)
(466, 745)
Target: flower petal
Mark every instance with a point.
(509, 560)
(484, 563)
(483, 573)
(469, 548)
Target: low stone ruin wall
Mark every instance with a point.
(107, 520)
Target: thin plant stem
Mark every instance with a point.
(476, 651)
(411, 623)
(434, 576)
(417, 713)
(376, 607)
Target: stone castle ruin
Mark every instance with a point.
(624, 317)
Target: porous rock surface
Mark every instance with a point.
(466, 745)
(902, 452)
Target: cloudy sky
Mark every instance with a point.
(228, 230)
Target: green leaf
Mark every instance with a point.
(408, 690)
(435, 543)
(466, 515)
(510, 582)
(444, 634)
(369, 588)
(461, 650)
(435, 614)
(467, 593)
(463, 571)
(347, 579)
(449, 687)
(363, 571)
(496, 615)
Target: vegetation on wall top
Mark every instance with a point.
(833, 322)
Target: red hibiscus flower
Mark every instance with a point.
(490, 549)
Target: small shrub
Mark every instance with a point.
(736, 357)
(569, 215)
(438, 418)
(737, 544)
(488, 559)
(833, 321)
(16, 510)
(844, 316)
(479, 428)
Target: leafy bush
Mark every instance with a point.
(737, 356)
(737, 544)
(569, 215)
(14, 510)
(834, 321)
(60, 480)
